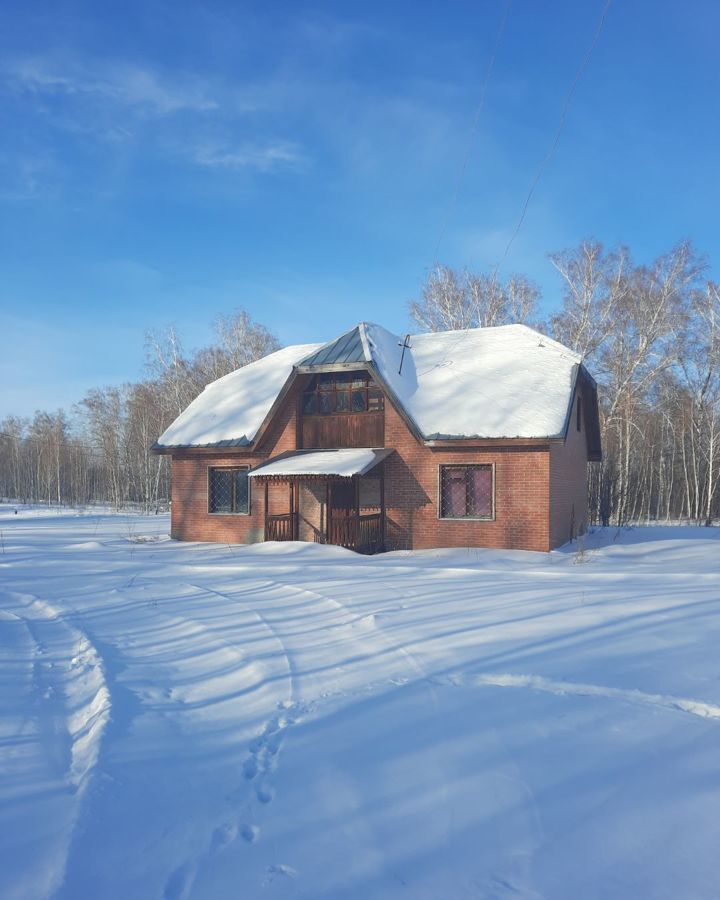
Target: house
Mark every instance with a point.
(476, 438)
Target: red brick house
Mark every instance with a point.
(474, 438)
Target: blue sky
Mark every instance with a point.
(165, 162)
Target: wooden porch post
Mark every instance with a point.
(382, 506)
(296, 509)
(327, 511)
(265, 531)
(356, 529)
(291, 487)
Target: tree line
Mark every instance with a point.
(101, 452)
(649, 334)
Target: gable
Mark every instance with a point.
(231, 410)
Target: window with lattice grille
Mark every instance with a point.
(229, 490)
(466, 492)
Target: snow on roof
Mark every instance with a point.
(322, 462)
(507, 381)
(231, 410)
(504, 382)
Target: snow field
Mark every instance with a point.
(206, 721)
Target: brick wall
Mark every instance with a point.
(526, 479)
(411, 494)
(190, 518)
(568, 483)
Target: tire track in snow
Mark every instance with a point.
(209, 644)
(383, 643)
(353, 618)
(263, 750)
(698, 708)
(516, 872)
(87, 702)
(264, 747)
(358, 619)
(33, 664)
(72, 700)
(198, 640)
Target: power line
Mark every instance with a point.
(543, 165)
(473, 131)
(556, 140)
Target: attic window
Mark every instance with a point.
(578, 414)
(466, 492)
(342, 393)
(229, 491)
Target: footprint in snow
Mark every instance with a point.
(266, 746)
(179, 884)
(265, 794)
(249, 833)
(264, 750)
(222, 837)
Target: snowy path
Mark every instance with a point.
(54, 730)
(203, 721)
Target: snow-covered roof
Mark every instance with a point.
(504, 382)
(343, 463)
(230, 411)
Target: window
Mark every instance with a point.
(578, 414)
(466, 492)
(341, 394)
(229, 490)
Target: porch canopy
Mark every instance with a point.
(342, 519)
(320, 464)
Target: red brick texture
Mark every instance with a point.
(540, 491)
(411, 493)
(568, 483)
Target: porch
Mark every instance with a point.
(326, 496)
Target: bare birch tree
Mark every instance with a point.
(455, 301)
(649, 335)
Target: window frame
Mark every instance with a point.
(233, 468)
(335, 383)
(440, 516)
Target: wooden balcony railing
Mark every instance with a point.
(362, 533)
(280, 528)
(370, 532)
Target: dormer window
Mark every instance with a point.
(342, 393)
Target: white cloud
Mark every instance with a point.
(124, 84)
(261, 157)
(119, 103)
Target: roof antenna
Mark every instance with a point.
(405, 346)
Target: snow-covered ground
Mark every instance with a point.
(207, 721)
